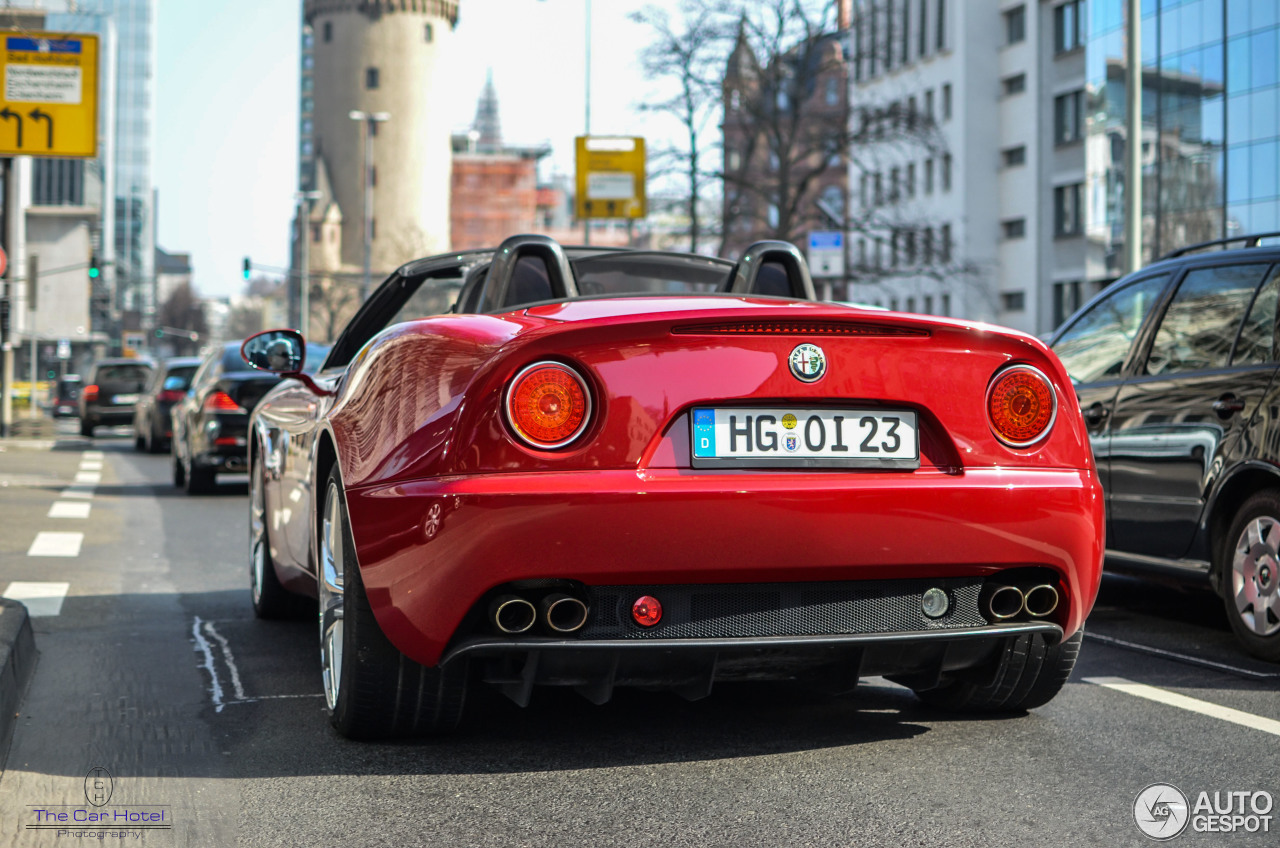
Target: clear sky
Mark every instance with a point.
(227, 108)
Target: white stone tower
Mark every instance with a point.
(384, 56)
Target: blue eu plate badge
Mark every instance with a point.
(704, 432)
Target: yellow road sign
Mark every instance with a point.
(49, 95)
(611, 177)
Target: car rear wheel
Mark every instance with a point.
(179, 473)
(1251, 575)
(139, 443)
(1029, 673)
(86, 428)
(270, 599)
(200, 481)
(371, 689)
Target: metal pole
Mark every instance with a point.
(6, 289)
(586, 222)
(305, 235)
(31, 394)
(1133, 131)
(368, 209)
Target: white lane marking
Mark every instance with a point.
(50, 544)
(91, 465)
(202, 645)
(94, 477)
(1194, 705)
(1173, 655)
(69, 509)
(78, 490)
(42, 599)
(93, 455)
(227, 657)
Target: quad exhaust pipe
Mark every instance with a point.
(1003, 603)
(559, 613)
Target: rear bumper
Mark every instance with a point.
(431, 550)
(691, 666)
(222, 442)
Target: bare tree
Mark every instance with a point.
(182, 311)
(245, 320)
(334, 300)
(687, 52)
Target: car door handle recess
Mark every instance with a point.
(1095, 414)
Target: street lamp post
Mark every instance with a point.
(370, 121)
(305, 199)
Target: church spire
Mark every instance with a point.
(486, 122)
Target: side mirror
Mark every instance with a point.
(277, 351)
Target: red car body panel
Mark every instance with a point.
(445, 503)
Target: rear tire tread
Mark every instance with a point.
(1029, 673)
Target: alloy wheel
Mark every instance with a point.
(1255, 576)
(331, 594)
(257, 533)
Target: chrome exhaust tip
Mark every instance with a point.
(1041, 600)
(512, 614)
(1005, 602)
(563, 613)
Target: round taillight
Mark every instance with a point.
(1021, 405)
(647, 611)
(548, 405)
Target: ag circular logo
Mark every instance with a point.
(808, 363)
(1161, 811)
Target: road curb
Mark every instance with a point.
(17, 662)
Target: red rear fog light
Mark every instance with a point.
(647, 611)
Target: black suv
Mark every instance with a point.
(110, 391)
(1175, 370)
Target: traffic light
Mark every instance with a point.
(95, 270)
(247, 267)
(159, 332)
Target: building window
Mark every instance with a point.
(911, 304)
(1014, 301)
(895, 178)
(373, 228)
(370, 77)
(879, 183)
(373, 176)
(944, 254)
(946, 102)
(1066, 300)
(928, 304)
(888, 35)
(429, 34)
(946, 172)
(922, 29)
(946, 305)
(328, 31)
(1014, 156)
(833, 91)
(942, 24)
(1066, 210)
(912, 114)
(926, 245)
(1066, 117)
(1014, 228)
(928, 176)
(1015, 84)
(1067, 26)
(911, 179)
(1015, 25)
(909, 246)
(928, 106)
(906, 31)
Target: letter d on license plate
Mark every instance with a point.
(804, 438)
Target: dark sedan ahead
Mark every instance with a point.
(211, 422)
(152, 424)
(111, 390)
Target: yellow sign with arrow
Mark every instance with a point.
(49, 94)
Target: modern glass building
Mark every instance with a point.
(129, 171)
(1211, 125)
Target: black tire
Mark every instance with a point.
(179, 474)
(1028, 674)
(270, 599)
(1250, 575)
(380, 692)
(154, 443)
(139, 443)
(86, 428)
(200, 481)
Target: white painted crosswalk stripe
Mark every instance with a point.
(93, 455)
(91, 465)
(1194, 705)
(69, 509)
(41, 599)
(94, 477)
(51, 544)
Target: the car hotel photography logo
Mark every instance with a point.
(1161, 811)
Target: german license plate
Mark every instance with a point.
(125, 399)
(777, 437)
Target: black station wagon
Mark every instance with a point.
(1175, 370)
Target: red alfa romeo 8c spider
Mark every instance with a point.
(539, 466)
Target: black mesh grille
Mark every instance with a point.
(782, 609)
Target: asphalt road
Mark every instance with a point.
(153, 668)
